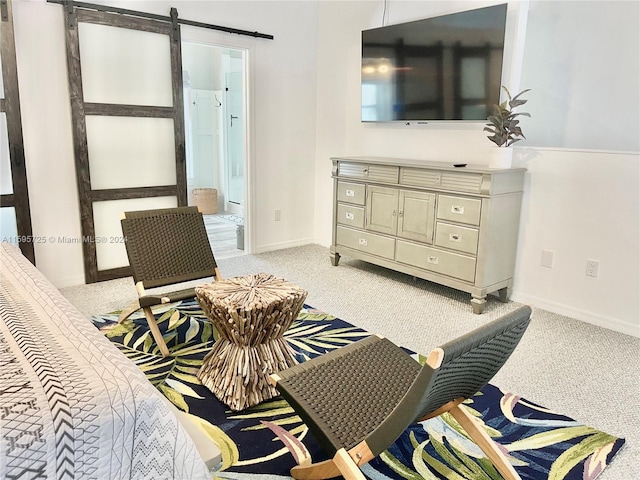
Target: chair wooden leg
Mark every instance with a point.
(155, 331)
(315, 471)
(484, 441)
(128, 310)
(346, 465)
(342, 463)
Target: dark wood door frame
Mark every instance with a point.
(80, 108)
(10, 105)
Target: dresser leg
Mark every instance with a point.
(504, 294)
(478, 304)
(335, 258)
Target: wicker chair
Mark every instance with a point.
(357, 400)
(165, 247)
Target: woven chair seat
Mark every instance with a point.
(368, 380)
(357, 400)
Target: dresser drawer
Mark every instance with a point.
(459, 209)
(455, 237)
(374, 173)
(351, 192)
(366, 242)
(438, 261)
(350, 215)
(442, 179)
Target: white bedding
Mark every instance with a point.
(71, 405)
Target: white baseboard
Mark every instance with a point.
(604, 321)
(270, 247)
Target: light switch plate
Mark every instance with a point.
(547, 259)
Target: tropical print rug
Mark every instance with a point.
(270, 438)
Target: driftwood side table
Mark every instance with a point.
(250, 314)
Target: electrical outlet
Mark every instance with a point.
(277, 215)
(592, 268)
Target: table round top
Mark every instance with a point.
(249, 292)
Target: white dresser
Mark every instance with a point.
(449, 225)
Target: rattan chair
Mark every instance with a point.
(165, 247)
(357, 400)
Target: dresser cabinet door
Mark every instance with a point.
(416, 215)
(382, 209)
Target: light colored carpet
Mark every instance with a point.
(586, 372)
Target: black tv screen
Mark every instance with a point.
(442, 68)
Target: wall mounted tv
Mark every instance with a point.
(441, 68)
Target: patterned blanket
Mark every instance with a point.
(71, 405)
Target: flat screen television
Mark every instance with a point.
(447, 67)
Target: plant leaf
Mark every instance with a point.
(174, 397)
(574, 455)
(228, 448)
(522, 92)
(398, 467)
(182, 388)
(544, 439)
(194, 328)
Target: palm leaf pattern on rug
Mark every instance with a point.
(271, 438)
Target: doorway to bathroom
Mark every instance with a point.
(214, 82)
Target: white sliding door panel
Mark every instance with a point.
(8, 225)
(125, 85)
(15, 218)
(6, 183)
(130, 152)
(110, 248)
(123, 66)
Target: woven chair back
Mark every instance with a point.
(471, 361)
(167, 246)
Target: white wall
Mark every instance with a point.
(282, 124)
(597, 42)
(48, 142)
(580, 204)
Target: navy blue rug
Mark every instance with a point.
(270, 438)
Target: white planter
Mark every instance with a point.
(501, 157)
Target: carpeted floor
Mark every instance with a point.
(572, 367)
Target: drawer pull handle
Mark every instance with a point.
(454, 237)
(362, 241)
(432, 259)
(349, 215)
(350, 193)
(457, 209)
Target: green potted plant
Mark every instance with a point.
(504, 126)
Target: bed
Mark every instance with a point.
(71, 405)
